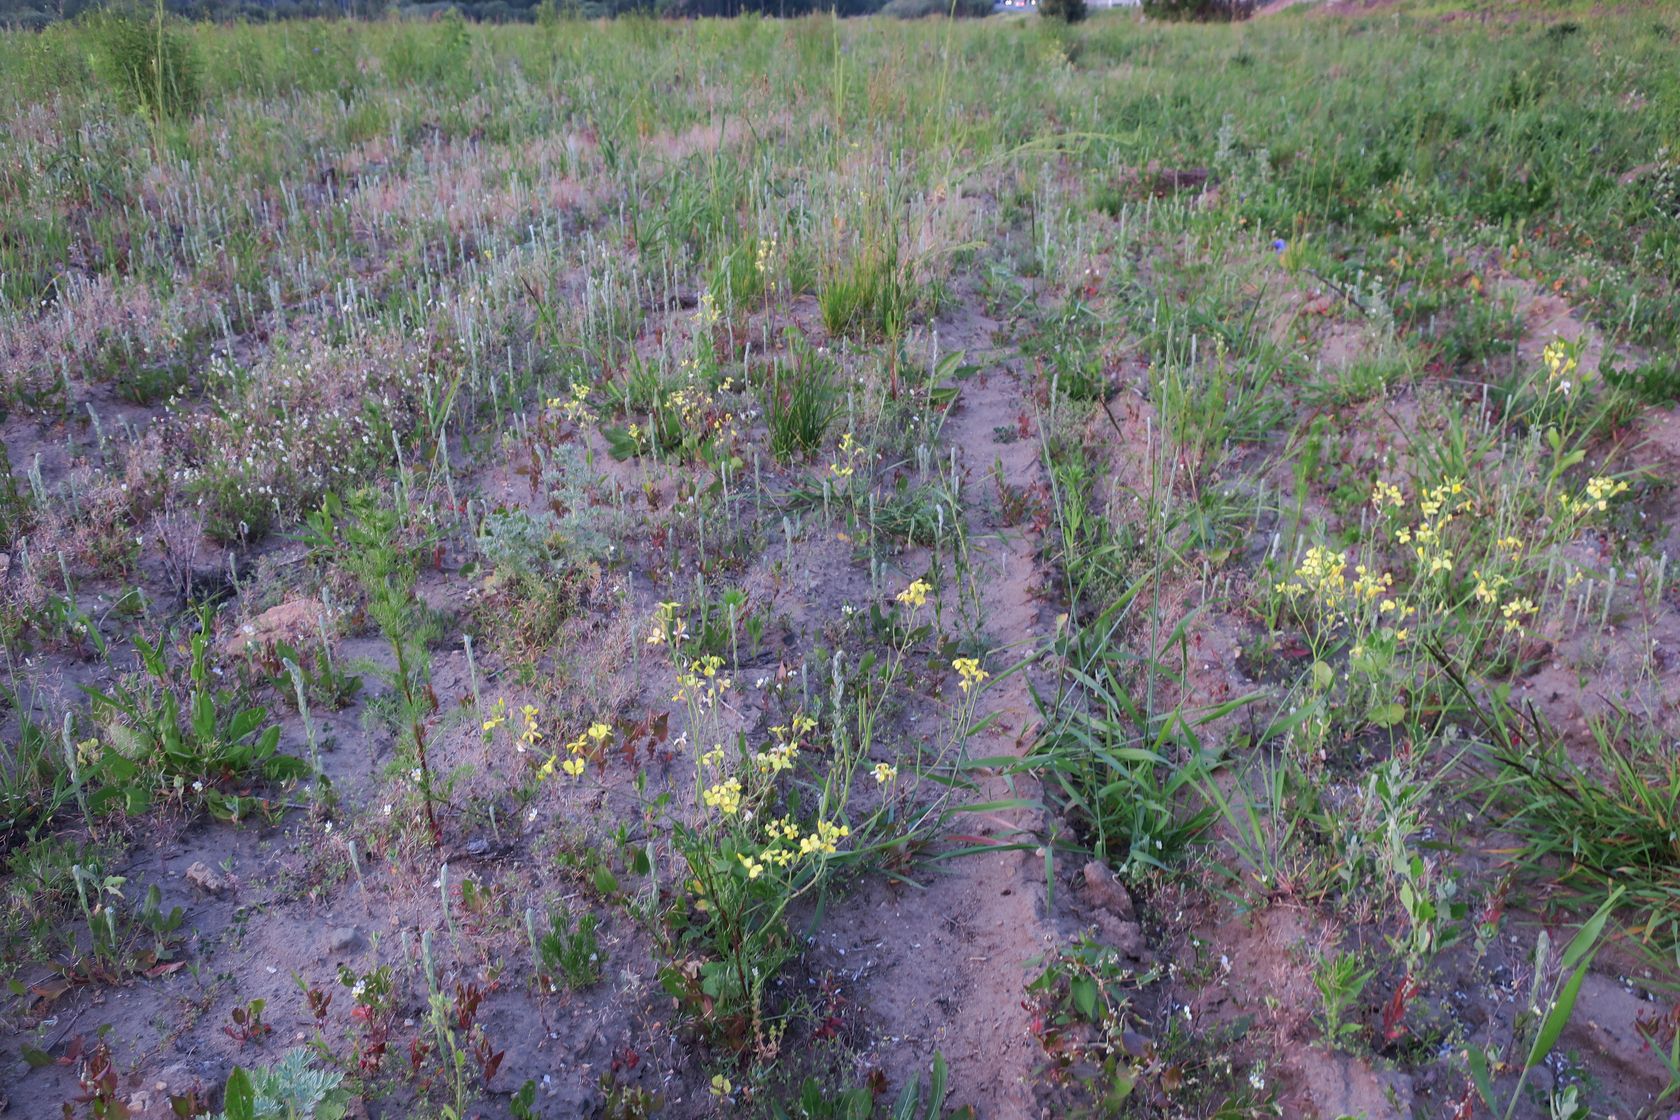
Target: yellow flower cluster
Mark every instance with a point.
(1597, 497)
(1323, 573)
(1487, 592)
(1442, 497)
(823, 840)
(701, 682)
(1487, 587)
(1386, 495)
(916, 594)
(668, 627)
(766, 253)
(800, 725)
(531, 735)
(785, 752)
(690, 404)
(1561, 362)
(575, 762)
(968, 669)
(774, 760)
(689, 414)
(1438, 506)
(885, 773)
(576, 407)
(786, 842)
(1513, 612)
(1367, 585)
(846, 460)
(706, 314)
(725, 797)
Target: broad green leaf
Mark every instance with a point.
(1085, 996)
(1387, 715)
(239, 1101)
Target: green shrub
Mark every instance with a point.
(1201, 11)
(148, 61)
(1068, 11)
(920, 9)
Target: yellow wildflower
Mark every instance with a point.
(725, 797)
(1386, 494)
(916, 594)
(969, 669)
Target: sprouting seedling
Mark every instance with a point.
(356, 867)
(308, 723)
(472, 672)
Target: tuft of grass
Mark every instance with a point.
(1128, 777)
(871, 296)
(801, 400)
(1592, 827)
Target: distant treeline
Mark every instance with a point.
(39, 13)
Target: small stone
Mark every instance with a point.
(344, 939)
(1104, 890)
(288, 622)
(208, 879)
(1125, 938)
(1342, 1085)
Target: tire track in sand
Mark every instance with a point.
(947, 964)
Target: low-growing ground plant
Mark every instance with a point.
(170, 735)
(567, 954)
(1340, 980)
(290, 1089)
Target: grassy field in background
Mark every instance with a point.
(842, 568)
